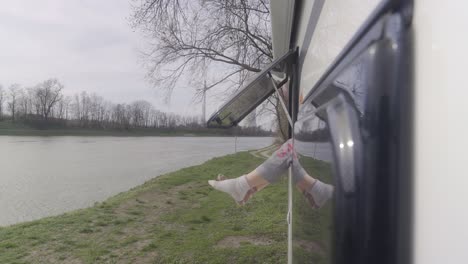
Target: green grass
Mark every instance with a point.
(175, 218)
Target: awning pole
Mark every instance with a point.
(281, 100)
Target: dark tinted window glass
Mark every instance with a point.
(312, 227)
(337, 24)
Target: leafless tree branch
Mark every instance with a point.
(196, 36)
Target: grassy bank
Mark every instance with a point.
(175, 218)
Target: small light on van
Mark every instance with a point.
(350, 143)
(341, 145)
(394, 46)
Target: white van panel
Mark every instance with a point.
(304, 15)
(441, 141)
(281, 22)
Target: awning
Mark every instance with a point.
(253, 94)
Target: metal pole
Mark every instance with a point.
(236, 129)
(204, 104)
(315, 145)
(289, 215)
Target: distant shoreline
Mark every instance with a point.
(52, 128)
(116, 133)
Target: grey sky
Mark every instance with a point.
(86, 44)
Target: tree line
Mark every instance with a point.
(45, 105)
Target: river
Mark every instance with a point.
(44, 176)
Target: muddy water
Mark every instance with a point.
(43, 176)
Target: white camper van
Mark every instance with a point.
(376, 104)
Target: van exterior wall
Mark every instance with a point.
(282, 12)
(441, 127)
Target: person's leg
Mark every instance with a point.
(243, 187)
(316, 192)
(275, 166)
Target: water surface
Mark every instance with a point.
(43, 176)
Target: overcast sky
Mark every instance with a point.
(86, 44)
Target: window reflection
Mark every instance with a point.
(312, 227)
(338, 22)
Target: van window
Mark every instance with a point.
(253, 94)
(322, 42)
(312, 228)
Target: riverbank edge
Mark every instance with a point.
(175, 217)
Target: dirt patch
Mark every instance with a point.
(148, 258)
(48, 256)
(147, 208)
(157, 201)
(311, 246)
(237, 241)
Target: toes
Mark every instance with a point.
(212, 183)
(221, 177)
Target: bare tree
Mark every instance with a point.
(13, 94)
(63, 107)
(2, 99)
(221, 41)
(24, 102)
(85, 102)
(231, 36)
(141, 110)
(95, 108)
(76, 107)
(48, 93)
(121, 116)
